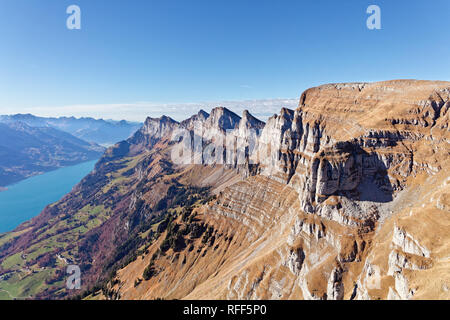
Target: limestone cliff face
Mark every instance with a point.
(153, 130)
(349, 201)
(344, 134)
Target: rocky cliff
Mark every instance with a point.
(348, 202)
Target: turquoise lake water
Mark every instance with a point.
(26, 199)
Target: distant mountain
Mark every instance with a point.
(104, 132)
(26, 151)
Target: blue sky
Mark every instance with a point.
(155, 53)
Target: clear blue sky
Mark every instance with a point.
(205, 50)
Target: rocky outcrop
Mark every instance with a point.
(189, 124)
(153, 130)
(408, 244)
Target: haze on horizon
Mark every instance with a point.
(261, 109)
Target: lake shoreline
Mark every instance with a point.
(26, 199)
(32, 174)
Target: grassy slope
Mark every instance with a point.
(22, 275)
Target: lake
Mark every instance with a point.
(26, 199)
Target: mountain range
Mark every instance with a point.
(31, 145)
(103, 132)
(346, 197)
(26, 151)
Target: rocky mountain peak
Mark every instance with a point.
(162, 119)
(153, 130)
(201, 116)
(223, 119)
(285, 112)
(159, 127)
(22, 116)
(249, 121)
(18, 125)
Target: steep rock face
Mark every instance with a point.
(340, 208)
(153, 130)
(201, 117)
(222, 138)
(222, 118)
(278, 139)
(343, 135)
(214, 130)
(248, 122)
(241, 145)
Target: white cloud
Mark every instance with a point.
(261, 109)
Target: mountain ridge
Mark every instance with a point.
(27, 151)
(99, 131)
